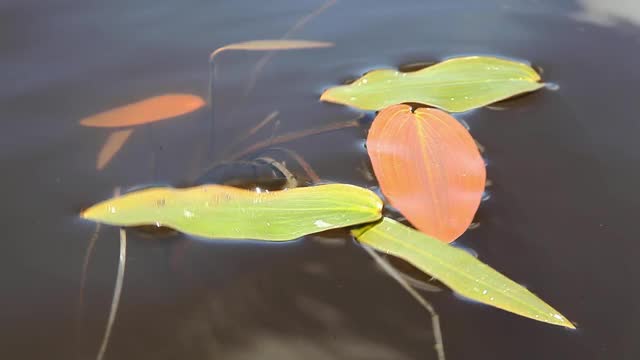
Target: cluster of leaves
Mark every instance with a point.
(427, 164)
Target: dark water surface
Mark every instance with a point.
(561, 218)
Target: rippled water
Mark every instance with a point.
(560, 218)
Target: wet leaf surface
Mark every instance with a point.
(114, 143)
(216, 211)
(428, 167)
(455, 85)
(156, 108)
(457, 269)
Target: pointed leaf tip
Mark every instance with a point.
(217, 211)
(455, 85)
(457, 269)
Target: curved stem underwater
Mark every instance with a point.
(115, 301)
(435, 319)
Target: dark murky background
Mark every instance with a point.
(561, 218)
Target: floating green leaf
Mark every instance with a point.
(455, 85)
(216, 211)
(457, 269)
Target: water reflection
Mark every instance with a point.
(561, 163)
(609, 13)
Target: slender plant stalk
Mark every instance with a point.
(116, 292)
(212, 128)
(292, 182)
(295, 136)
(295, 28)
(308, 169)
(252, 131)
(435, 319)
(420, 285)
(258, 67)
(83, 281)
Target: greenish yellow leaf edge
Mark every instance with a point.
(457, 269)
(353, 95)
(218, 211)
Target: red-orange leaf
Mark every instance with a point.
(153, 109)
(428, 167)
(112, 146)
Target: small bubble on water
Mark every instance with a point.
(552, 86)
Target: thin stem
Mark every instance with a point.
(83, 281)
(311, 173)
(292, 182)
(435, 319)
(212, 128)
(296, 27)
(117, 290)
(259, 65)
(296, 135)
(253, 130)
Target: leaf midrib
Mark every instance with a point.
(454, 269)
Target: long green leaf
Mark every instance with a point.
(455, 85)
(216, 211)
(457, 269)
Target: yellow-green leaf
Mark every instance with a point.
(216, 211)
(459, 270)
(455, 85)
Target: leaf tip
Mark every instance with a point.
(89, 122)
(326, 96)
(563, 321)
(90, 213)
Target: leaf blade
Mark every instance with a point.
(149, 110)
(455, 85)
(272, 44)
(428, 167)
(114, 143)
(457, 269)
(217, 211)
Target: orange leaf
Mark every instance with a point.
(114, 143)
(428, 167)
(150, 110)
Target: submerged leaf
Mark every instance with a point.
(455, 85)
(150, 110)
(112, 146)
(428, 167)
(216, 211)
(266, 45)
(457, 269)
